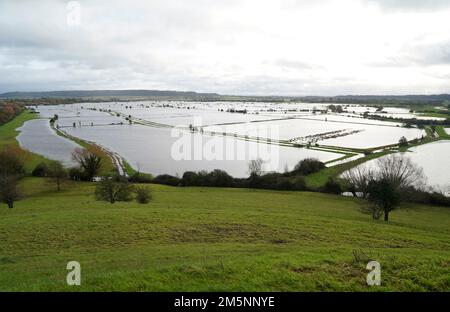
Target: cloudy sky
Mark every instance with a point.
(261, 47)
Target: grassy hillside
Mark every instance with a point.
(216, 239)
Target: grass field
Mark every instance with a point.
(216, 239)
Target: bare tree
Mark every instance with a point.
(400, 172)
(394, 177)
(88, 162)
(9, 191)
(358, 179)
(255, 167)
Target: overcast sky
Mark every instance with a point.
(261, 47)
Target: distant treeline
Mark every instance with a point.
(8, 111)
(289, 181)
(413, 121)
(76, 96)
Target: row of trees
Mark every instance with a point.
(288, 181)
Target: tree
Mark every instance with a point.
(308, 166)
(401, 172)
(88, 162)
(41, 170)
(402, 142)
(384, 197)
(8, 189)
(255, 167)
(357, 180)
(395, 176)
(57, 172)
(12, 160)
(113, 189)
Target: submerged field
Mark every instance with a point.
(192, 239)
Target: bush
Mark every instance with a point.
(216, 178)
(88, 162)
(141, 178)
(332, 186)
(113, 189)
(76, 174)
(41, 170)
(143, 194)
(308, 166)
(299, 183)
(167, 179)
(402, 142)
(275, 181)
(190, 178)
(220, 178)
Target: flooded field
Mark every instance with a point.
(434, 160)
(38, 137)
(173, 137)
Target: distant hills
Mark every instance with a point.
(105, 95)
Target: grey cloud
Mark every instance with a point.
(160, 44)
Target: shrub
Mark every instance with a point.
(220, 178)
(308, 166)
(41, 170)
(190, 178)
(274, 181)
(143, 194)
(113, 189)
(299, 183)
(402, 142)
(76, 174)
(167, 179)
(141, 178)
(332, 186)
(88, 162)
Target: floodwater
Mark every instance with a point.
(171, 151)
(38, 137)
(434, 159)
(166, 149)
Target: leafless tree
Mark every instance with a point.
(255, 167)
(358, 179)
(400, 172)
(394, 176)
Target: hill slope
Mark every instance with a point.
(237, 239)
